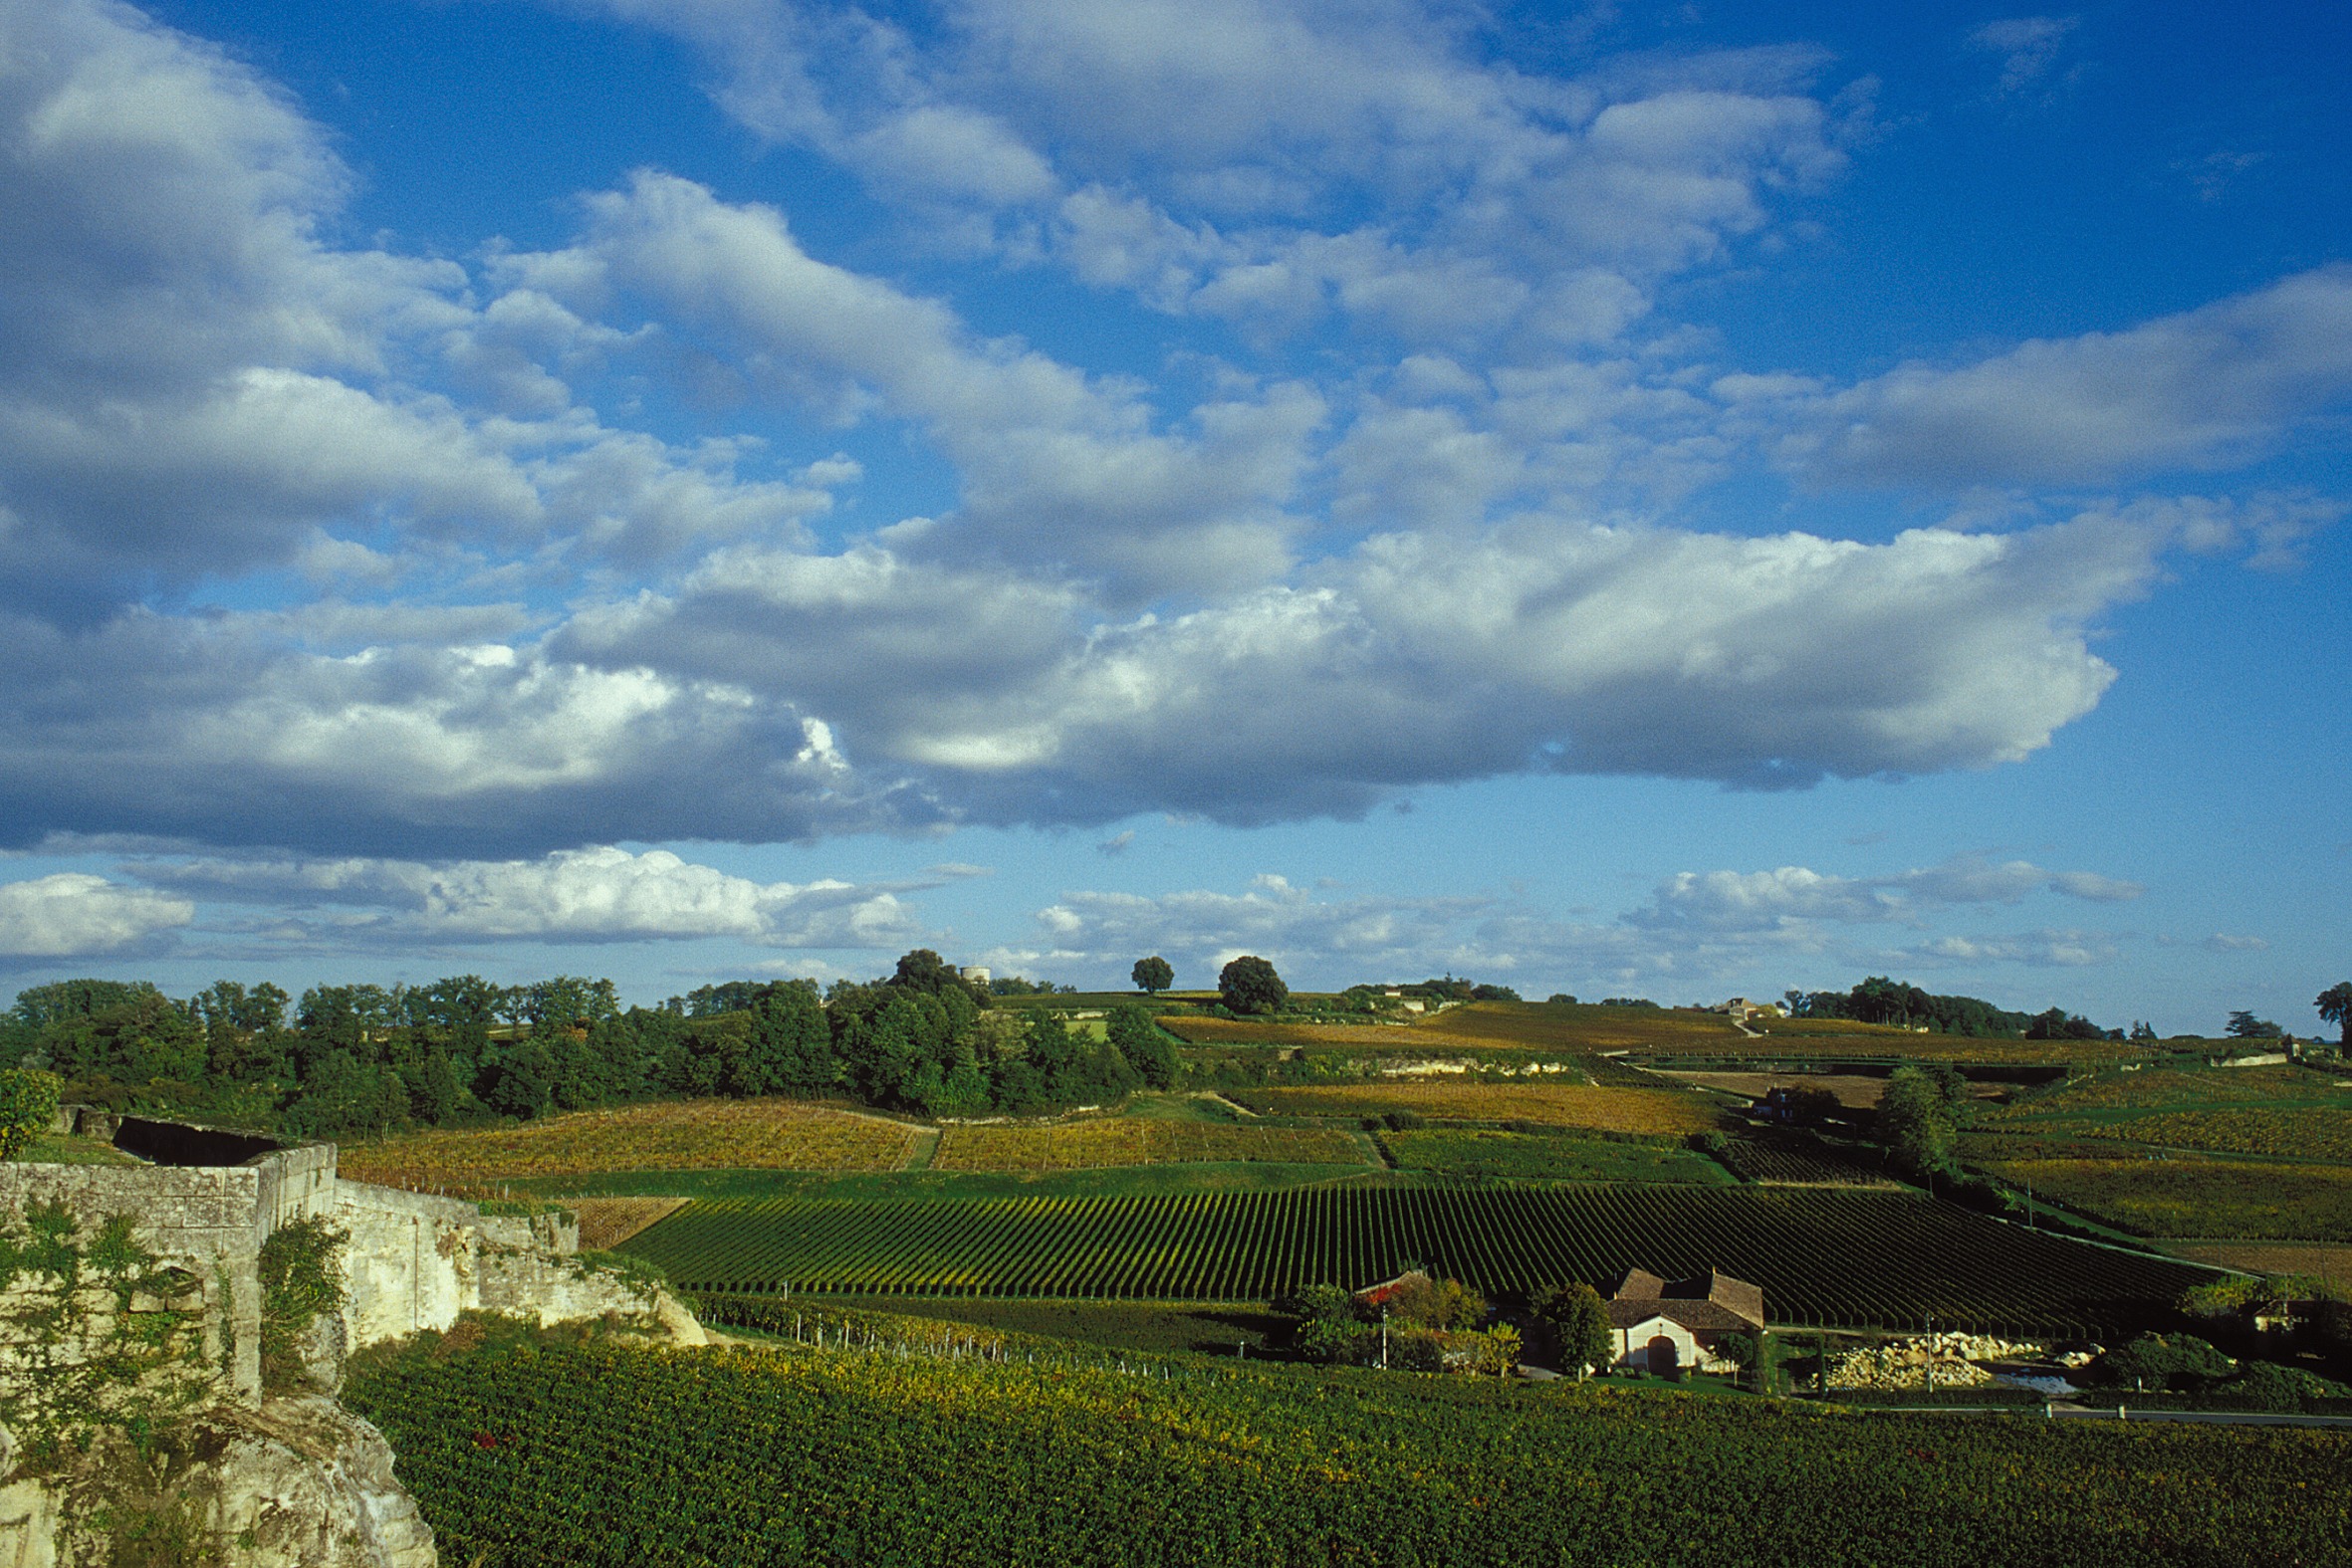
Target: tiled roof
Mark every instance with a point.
(1713, 1300)
(1701, 1317)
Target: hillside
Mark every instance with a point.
(787, 1456)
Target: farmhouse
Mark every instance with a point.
(1663, 1326)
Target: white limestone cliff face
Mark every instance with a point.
(299, 1482)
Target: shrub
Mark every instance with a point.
(27, 1099)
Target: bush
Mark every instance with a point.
(27, 1099)
(2153, 1361)
(1404, 1121)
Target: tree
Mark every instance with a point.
(1147, 1048)
(2245, 1026)
(1250, 985)
(1918, 1121)
(1579, 1321)
(2335, 1006)
(1152, 975)
(1757, 1353)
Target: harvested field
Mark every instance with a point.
(1655, 1112)
(696, 1135)
(1121, 1141)
(607, 1222)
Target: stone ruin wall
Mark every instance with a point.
(412, 1262)
(207, 1219)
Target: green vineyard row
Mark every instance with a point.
(1833, 1258)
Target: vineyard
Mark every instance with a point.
(2182, 1088)
(698, 1135)
(2183, 1194)
(1512, 1156)
(613, 1455)
(1136, 1140)
(1242, 1031)
(1795, 1160)
(1823, 1257)
(1666, 1113)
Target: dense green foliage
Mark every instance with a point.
(1152, 975)
(367, 1059)
(1249, 983)
(1879, 1000)
(1821, 1255)
(607, 1454)
(27, 1099)
(2335, 1007)
(1574, 1320)
(301, 1277)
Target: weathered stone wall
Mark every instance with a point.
(416, 1261)
(203, 1220)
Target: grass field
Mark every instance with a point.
(2200, 1196)
(1603, 1107)
(1127, 1140)
(1834, 1258)
(696, 1135)
(1510, 1156)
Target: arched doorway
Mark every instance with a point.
(1665, 1359)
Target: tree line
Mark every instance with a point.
(343, 1059)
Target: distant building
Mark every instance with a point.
(1664, 1325)
(977, 974)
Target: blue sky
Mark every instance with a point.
(1665, 500)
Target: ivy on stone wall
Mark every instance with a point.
(95, 1334)
(301, 1279)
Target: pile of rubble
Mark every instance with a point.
(1944, 1361)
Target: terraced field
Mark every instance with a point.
(1665, 1113)
(696, 1135)
(1118, 1141)
(1841, 1258)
